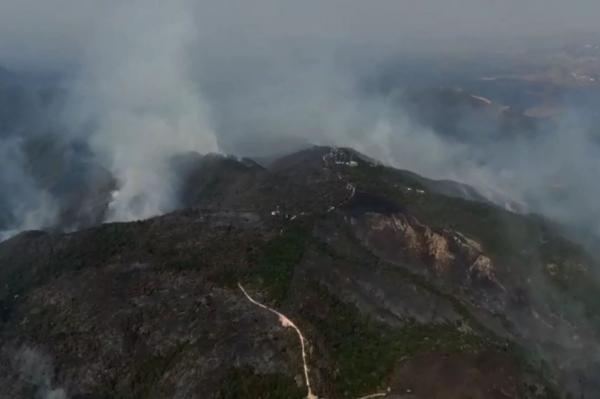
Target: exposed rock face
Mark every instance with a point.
(398, 291)
(446, 253)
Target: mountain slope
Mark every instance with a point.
(402, 287)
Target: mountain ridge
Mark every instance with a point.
(399, 287)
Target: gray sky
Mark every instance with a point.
(51, 32)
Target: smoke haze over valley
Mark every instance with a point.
(98, 94)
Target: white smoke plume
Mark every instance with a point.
(36, 369)
(134, 85)
(27, 205)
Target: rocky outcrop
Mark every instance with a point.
(447, 254)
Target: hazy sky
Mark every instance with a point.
(56, 31)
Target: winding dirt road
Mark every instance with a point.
(286, 322)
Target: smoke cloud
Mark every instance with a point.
(36, 370)
(96, 97)
(134, 86)
(106, 92)
(27, 206)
